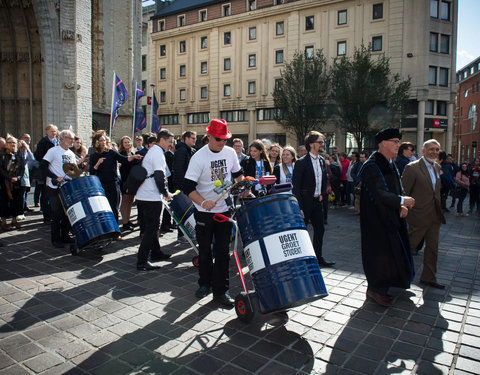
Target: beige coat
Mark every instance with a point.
(417, 183)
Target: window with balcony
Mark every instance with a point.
(279, 28)
(342, 17)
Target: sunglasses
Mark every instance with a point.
(220, 139)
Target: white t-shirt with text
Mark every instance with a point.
(153, 161)
(57, 156)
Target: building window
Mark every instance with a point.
(279, 28)
(377, 11)
(342, 17)
(203, 92)
(472, 115)
(251, 5)
(227, 64)
(252, 61)
(432, 75)
(203, 67)
(226, 10)
(434, 42)
(183, 94)
(341, 48)
(203, 42)
(234, 116)
(182, 46)
(198, 118)
(309, 23)
(441, 108)
(278, 2)
(445, 43)
(434, 8)
(168, 119)
(183, 70)
(252, 87)
(144, 86)
(163, 50)
(226, 90)
(163, 73)
(252, 33)
(181, 20)
(278, 83)
(144, 37)
(163, 96)
(445, 11)
(279, 56)
(202, 15)
(144, 63)
(227, 37)
(429, 107)
(376, 43)
(443, 77)
(267, 114)
(309, 52)
(161, 25)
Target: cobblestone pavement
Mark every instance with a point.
(96, 314)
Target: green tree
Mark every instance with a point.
(367, 95)
(301, 98)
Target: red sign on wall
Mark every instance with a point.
(436, 123)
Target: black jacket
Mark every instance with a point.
(181, 159)
(304, 180)
(43, 146)
(19, 170)
(250, 167)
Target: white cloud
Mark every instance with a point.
(464, 58)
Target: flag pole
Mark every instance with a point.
(134, 111)
(151, 114)
(111, 107)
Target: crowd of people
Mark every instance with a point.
(320, 181)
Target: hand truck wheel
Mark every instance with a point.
(244, 308)
(195, 261)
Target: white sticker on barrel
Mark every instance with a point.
(280, 247)
(99, 203)
(75, 213)
(189, 225)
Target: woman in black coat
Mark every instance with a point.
(258, 165)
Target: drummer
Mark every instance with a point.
(52, 166)
(213, 162)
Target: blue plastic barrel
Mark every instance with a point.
(279, 253)
(183, 208)
(89, 212)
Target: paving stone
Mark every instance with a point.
(112, 367)
(21, 353)
(361, 365)
(5, 361)
(249, 361)
(467, 365)
(43, 362)
(14, 370)
(72, 349)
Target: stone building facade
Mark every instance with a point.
(467, 124)
(218, 58)
(57, 62)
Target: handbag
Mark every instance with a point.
(135, 179)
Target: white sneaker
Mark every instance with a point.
(21, 217)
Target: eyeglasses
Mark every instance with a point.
(220, 139)
(396, 141)
(319, 142)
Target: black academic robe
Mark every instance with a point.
(386, 257)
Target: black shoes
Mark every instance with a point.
(58, 245)
(128, 226)
(68, 240)
(322, 262)
(433, 284)
(146, 267)
(166, 229)
(203, 291)
(159, 257)
(224, 299)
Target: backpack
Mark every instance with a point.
(136, 177)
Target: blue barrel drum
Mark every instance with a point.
(279, 253)
(183, 208)
(89, 212)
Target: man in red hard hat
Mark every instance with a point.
(213, 162)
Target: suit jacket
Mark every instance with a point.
(417, 183)
(304, 182)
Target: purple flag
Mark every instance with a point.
(120, 95)
(140, 122)
(156, 126)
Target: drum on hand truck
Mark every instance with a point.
(87, 208)
(280, 257)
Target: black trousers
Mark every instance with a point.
(150, 246)
(60, 223)
(112, 192)
(214, 274)
(45, 202)
(314, 214)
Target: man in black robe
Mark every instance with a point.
(386, 257)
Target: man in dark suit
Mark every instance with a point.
(309, 184)
(421, 180)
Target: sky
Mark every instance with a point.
(468, 37)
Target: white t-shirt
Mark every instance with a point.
(223, 164)
(57, 156)
(153, 161)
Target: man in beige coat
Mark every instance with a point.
(421, 180)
